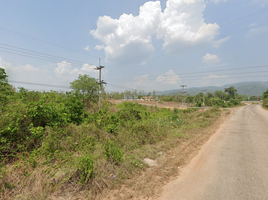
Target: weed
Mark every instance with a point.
(86, 167)
(113, 151)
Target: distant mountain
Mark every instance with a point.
(254, 88)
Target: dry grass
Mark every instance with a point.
(148, 183)
(133, 182)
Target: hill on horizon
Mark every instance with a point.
(254, 88)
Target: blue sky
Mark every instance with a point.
(143, 45)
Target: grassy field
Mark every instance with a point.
(103, 151)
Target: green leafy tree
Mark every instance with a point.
(265, 99)
(5, 89)
(222, 95)
(3, 76)
(265, 94)
(86, 86)
(154, 93)
(209, 95)
(231, 91)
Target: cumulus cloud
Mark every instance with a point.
(99, 47)
(27, 73)
(87, 48)
(182, 24)
(211, 59)
(127, 38)
(220, 42)
(170, 78)
(215, 76)
(217, 1)
(65, 69)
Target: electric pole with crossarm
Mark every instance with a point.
(203, 96)
(182, 93)
(100, 82)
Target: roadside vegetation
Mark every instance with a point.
(224, 99)
(53, 144)
(265, 99)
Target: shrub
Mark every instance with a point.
(265, 103)
(86, 167)
(114, 152)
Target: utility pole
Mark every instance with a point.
(203, 96)
(100, 82)
(182, 93)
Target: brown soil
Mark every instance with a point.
(163, 104)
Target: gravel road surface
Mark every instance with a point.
(232, 165)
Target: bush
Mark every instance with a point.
(86, 167)
(114, 152)
(265, 103)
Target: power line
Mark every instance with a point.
(202, 72)
(207, 78)
(48, 42)
(14, 48)
(49, 58)
(127, 87)
(66, 87)
(40, 84)
(252, 14)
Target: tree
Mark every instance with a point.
(5, 89)
(209, 95)
(265, 94)
(86, 86)
(220, 94)
(3, 76)
(154, 93)
(231, 91)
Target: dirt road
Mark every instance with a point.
(232, 165)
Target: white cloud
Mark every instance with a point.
(217, 1)
(63, 74)
(88, 68)
(87, 48)
(220, 42)
(65, 69)
(161, 78)
(214, 76)
(127, 38)
(211, 59)
(26, 73)
(99, 47)
(170, 78)
(182, 24)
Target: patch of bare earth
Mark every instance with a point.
(163, 104)
(148, 184)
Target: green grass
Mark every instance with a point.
(103, 151)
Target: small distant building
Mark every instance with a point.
(149, 98)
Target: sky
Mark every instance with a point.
(144, 45)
